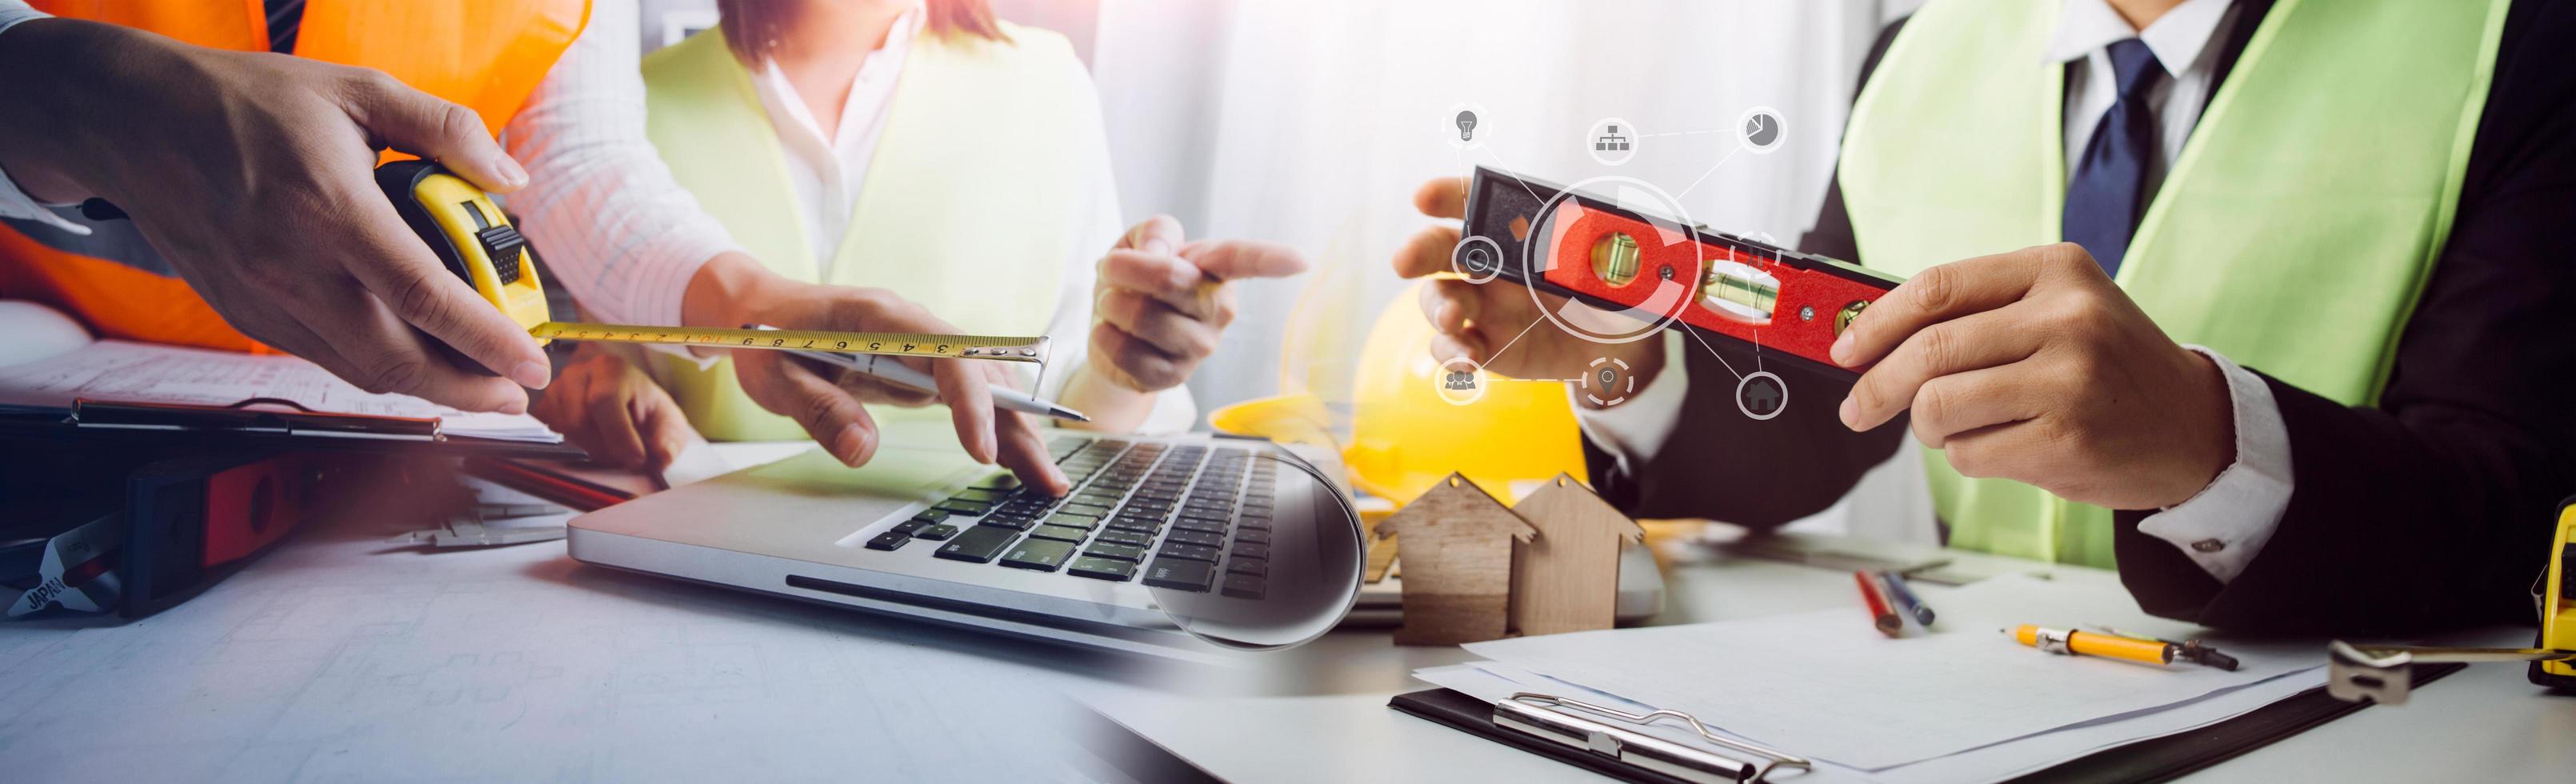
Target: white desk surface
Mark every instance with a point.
(340, 656)
(1324, 717)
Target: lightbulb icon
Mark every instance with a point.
(1466, 126)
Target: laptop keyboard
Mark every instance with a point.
(1181, 516)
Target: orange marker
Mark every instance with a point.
(2108, 646)
(1879, 611)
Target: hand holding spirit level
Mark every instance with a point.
(1606, 256)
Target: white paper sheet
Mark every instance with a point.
(1488, 681)
(116, 370)
(1829, 685)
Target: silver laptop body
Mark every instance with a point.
(1225, 543)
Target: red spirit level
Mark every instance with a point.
(1610, 257)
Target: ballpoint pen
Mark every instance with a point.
(1903, 595)
(1876, 601)
(892, 370)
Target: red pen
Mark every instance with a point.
(1879, 611)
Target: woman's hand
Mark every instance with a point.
(608, 407)
(1161, 304)
(733, 290)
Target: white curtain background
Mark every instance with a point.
(1312, 122)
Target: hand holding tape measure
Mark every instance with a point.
(475, 241)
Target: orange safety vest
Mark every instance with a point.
(484, 54)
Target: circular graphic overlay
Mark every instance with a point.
(1463, 125)
(1621, 257)
(1760, 130)
(1761, 395)
(1607, 382)
(1476, 258)
(1611, 141)
(1460, 381)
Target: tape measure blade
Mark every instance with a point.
(906, 344)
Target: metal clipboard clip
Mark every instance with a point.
(1521, 713)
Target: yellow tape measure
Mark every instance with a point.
(896, 343)
(468, 232)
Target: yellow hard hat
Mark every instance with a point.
(1405, 436)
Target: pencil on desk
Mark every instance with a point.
(1879, 612)
(1905, 599)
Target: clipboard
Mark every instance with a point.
(2154, 759)
(254, 422)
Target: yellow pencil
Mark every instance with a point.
(2070, 642)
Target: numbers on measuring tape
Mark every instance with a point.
(1017, 349)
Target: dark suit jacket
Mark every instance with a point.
(2432, 510)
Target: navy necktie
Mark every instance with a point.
(2109, 191)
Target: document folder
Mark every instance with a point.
(2154, 759)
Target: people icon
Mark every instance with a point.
(1460, 379)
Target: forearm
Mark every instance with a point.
(59, 70)
(1112, 408)
(723, 289)
(618, 230)
(2400, 522)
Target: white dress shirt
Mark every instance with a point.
(623, 235)
(828, 175)
(2227, 523)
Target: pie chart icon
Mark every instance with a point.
(1762, 131)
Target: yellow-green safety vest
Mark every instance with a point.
(977, 192)
(2293, 234)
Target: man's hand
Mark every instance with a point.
(2033, 366)
(608, 407)
(252, 174)
(1475, 320)
(1161, 303)
(733, 290)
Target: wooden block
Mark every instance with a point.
(1381, 550)
(1457, 563)
(1567, 579)
(1381, 557)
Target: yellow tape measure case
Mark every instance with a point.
(470, 236)
(2556, 595)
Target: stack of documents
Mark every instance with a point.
(1960, 701)
(125, 372)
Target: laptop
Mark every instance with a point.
(1184, 547)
